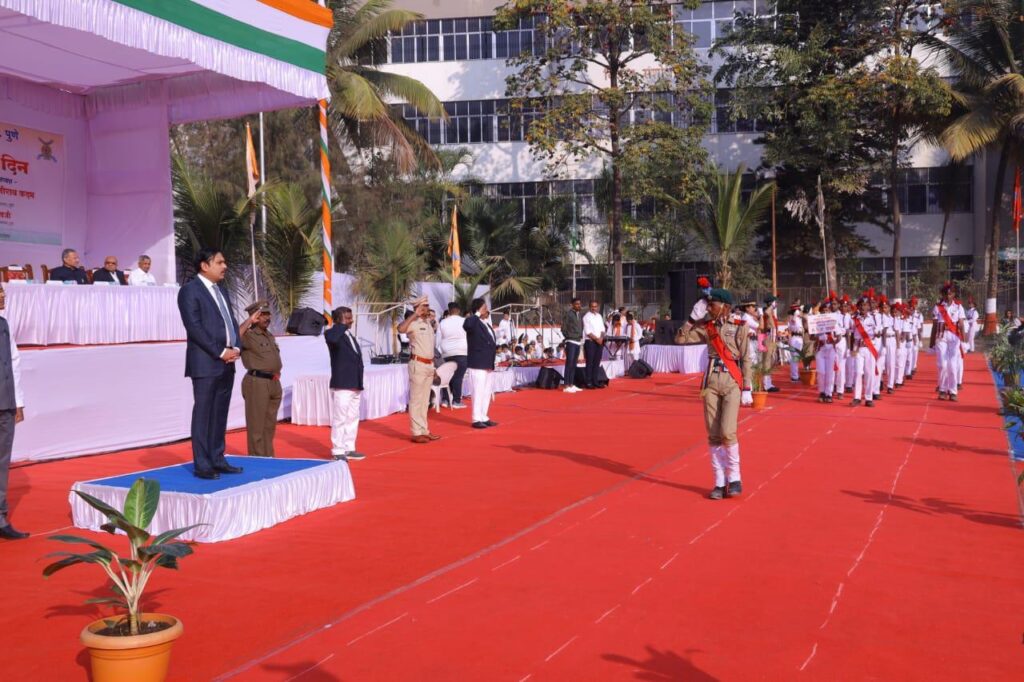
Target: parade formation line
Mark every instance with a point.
(576, 541)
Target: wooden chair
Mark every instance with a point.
(9, 272)
(90, 273)
(45, 272)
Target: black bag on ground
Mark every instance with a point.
(581, 382)
(306, 322)
(639, 370)
(548, 378)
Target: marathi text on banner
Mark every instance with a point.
(824, 323)
(32, 165)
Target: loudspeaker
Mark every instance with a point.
(682, 292)
(580, 378)
(665, 332)
(548, 378)
(639, 370)
(306, 322)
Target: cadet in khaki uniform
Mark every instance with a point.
(710, 323)
(261, 385)
(421, 368)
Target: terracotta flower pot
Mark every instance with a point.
(760, 399)
(142, 658)
(809, 377)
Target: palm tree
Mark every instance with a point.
(360, 92)
(493, 234)
(728, 229)
(987, 57)
(290, 250)
(392, 265)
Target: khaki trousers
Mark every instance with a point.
(421, 378)
(721, 408)
(262, 400)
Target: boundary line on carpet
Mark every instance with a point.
(481, 552)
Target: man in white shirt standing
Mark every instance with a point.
(593, 346)
(12, 411)
(451, 341)
(504, 332)
(140, 277)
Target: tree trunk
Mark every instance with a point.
(615, 245)
(897, 220)
(991, 316)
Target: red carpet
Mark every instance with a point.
(574, 542)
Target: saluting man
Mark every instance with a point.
(261, 385)
(421, 368)
(727, 374)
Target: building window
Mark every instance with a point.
(725, 122)
(430, 129)
(922, 190)
(467, 39)
(524, 196)
(469, 122)
(419, 41)
(712, 20)
(524, 38)
(514, 119)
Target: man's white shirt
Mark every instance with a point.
(593, 324)
(451, 336)
(140, 278)
(217, 294)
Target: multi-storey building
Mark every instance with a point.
(457, 54)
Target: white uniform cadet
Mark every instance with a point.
(865, 373)
(972, 326)
(825, 361)
(947, 348)
(888, 349)
(795, 326)
(842, 352)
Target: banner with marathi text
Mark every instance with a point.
(32, 164)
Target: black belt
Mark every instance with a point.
(261, 374)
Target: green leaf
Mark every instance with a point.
(74, 539)
(107, 600)
(70, 559)
(101, 506)
(175, 549)
(167, 561)
(171, 534)
(141, 502)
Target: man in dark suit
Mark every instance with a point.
(481, 347)
(71, 269)
(110, 273)
(346, 385)
(210, 355)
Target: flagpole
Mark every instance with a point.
(263, 178)
(325, 209)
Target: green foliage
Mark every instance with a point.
(728, 229)
(593, 72)
(289, 253)
(130, 574)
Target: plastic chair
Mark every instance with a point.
(445, 373)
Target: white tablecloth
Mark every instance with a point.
(684, 359)
(386, 391)
(89, 315)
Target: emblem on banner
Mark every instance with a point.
(46, 150)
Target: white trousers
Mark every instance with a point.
(841, 362)
(851, 369)
(797, 343)
(344, 420)
(890, 361)
(825, 359)
(864, 375)
(902, 358)
(947, 356)
(972, 331)
(725, 462)
(481, 397)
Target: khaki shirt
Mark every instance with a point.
(735, 337)
(421, 339)
(260, 351)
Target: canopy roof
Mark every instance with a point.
(90, 47)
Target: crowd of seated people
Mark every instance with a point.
(71, 271)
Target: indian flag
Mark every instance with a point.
(453, 245)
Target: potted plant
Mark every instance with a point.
(1007, 360)
(808, 375)
(135, 646)
(761, 369)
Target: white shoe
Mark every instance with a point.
(458, 406)
(570, 389)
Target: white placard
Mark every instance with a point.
(824, 323)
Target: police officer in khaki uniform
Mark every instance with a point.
(421, 368)
(261, 385)
(727, 374)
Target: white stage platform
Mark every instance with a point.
(683, 359)
(267, 493)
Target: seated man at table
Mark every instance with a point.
(109, 272)
(140, 277)
(71, 270)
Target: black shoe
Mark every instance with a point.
(718, 493)
(878, 396)
(821, 397)
(227, 469)
(349, 456)
(735, 488)
(888, 390)
(942, 395)
(773, 389)
(479, 425)
(868, 403)
(490, 423)
(828, 399)
(9, 532)
(959, 386)
(953, 398)
(208, 475)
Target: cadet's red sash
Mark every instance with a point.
(950, 326)
(719, 345)
(865, 338)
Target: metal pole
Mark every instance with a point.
(263, 178)
(821, 227)
(775, 274)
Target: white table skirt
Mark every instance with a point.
(386, 391)
(684, 359)
(90, 315)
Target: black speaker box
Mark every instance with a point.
(548, 378)
(682, 292)
(665, 332)
(306, 322)
(580, 377)
(639, 370)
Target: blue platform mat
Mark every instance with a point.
(180, 479)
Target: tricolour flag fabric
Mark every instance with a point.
(1018, 202)
(252, 166)
(453, 245)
